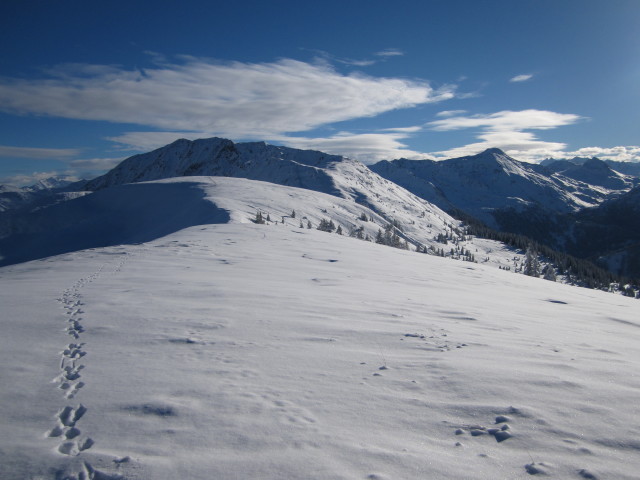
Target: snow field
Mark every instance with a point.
(270, 351)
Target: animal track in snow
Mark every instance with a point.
(66, 430)
(436, 340)
(69, 415)
(74, 447)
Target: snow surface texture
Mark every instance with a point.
(271, 351)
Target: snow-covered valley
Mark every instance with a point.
(237, 350)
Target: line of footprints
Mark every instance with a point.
(69, 379)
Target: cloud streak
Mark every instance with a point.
(37, 153)
(390, 52)
(521, 78)
(234, 100)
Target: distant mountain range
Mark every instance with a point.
(15, 197)
(378, 204)
(576, 206)
(628, 168)
(492, 181)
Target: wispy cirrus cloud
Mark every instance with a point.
(145, 141)
(521, 78)
(232, 99)
(37, 153)
(390, 52)
(450, 113)
(94, 164)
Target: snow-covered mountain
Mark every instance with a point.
(13, 197)
(492, 181)
(609, 234)
(50, 183)
(202, 327)
(222, 157)
(44, 190)
(595, 172)
(308, 169)
(626, 168)
(375, 205)
(139, 212)
(235, 351)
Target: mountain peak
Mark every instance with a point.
(493, 151)
(596, 164)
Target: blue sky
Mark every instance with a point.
(86, 84)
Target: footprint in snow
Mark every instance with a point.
(535, 468)
(500, 433)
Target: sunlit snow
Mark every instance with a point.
(236, 350)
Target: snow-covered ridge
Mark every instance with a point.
(139, 212)
(421, 222)
(491, 180)
(222, 157)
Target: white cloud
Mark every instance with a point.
(231, 100)
(620, 154)
(37, 153)
(95, 164)
(146, 141)
(366, 147)
(402, 129)
(390, 52)
(450, 113)
(506, 130)
(507, 120)
(521, 78)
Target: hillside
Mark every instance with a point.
(490, 184)
(140, 212)
(240, 350)
(610, 234)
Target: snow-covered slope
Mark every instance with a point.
(308, 169)
(610, 234)
(489, 181)
(140, 212)
(13, 197)
(627, 168)
(595, 172)
(238, 351)
(50, 183)
(222, 157)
